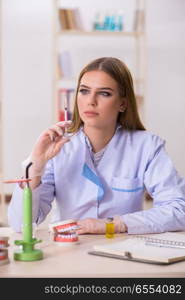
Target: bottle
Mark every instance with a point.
(107, 21)
(119, 21)
(112, 21)
(109, 228)
(96, 21)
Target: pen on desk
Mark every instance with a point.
(164, 245)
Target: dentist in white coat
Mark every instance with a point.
(104, 169)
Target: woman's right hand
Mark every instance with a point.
(49, 143)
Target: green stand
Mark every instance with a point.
(27, 253)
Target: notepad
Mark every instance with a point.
(164, 248)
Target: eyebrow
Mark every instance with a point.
(101, 88)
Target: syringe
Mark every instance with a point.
(65, 114)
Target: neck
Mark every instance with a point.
(99, 137)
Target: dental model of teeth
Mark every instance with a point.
(64, 232)
(3, 250)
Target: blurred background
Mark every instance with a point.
(45, 43)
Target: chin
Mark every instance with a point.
(92, 124)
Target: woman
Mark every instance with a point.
(107, 165)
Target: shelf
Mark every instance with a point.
(100, 33)
(134, 34)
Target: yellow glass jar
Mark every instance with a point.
(109, 228)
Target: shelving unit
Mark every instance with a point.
(101, 33)
(136, 38)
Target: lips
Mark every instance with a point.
(91, 113)
(65, 232)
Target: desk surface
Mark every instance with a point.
(74, 261)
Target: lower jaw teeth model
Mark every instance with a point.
(64, 232)
(3, 250)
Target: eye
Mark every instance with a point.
(83, 91)
(105, 94)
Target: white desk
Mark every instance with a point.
(65, 262)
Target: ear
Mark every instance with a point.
(123, 105)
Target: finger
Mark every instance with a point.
(54, 133)
(87, 225)
(75, 229)
(64, 123)
(51, 135)
(57, 130)
(60, 143)
(81, 231)
(81, 227)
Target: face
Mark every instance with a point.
(98, 100)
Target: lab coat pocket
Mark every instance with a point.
(128, 185)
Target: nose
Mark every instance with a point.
(91, 99)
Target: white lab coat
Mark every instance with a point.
(133, 162)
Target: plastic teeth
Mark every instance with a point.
(68, 236)
(3, 254)
(3, 250)
(69, 228)
(65, 232)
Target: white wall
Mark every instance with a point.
(28, 74)
(27, 78)
(165, 105)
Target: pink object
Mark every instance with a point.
(16, 180)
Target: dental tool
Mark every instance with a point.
(27, 253)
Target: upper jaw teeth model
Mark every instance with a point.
(65, 232)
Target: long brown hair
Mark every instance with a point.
(129, 119)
